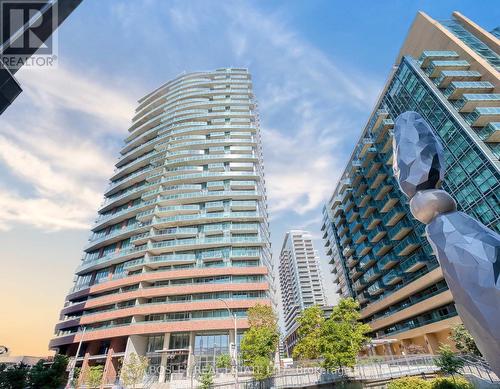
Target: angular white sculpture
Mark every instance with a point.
(468, 251)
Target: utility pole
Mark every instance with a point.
(73, 366)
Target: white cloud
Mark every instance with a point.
(55, 148)
(90, 94)
(72, 123)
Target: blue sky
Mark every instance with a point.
(317, 67)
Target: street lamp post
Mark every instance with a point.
(73, 366)
(235, 342)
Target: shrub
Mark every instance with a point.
(451, 383)
(409, 383)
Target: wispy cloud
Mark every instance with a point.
(55, 148)
(310, 105)
(70, 123)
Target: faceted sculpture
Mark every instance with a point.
(469, 254)
(418, 155)
(468, 251)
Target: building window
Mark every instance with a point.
(155, 343)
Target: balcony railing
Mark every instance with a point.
(393, 277)
(388, 261)
(407, 245)
(413, 263)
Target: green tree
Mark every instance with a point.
(49, 375)
(223, 361)
(133, 369)
(206, 378)
(310, 322)
(343, 335)
(464, 342)
(260, 341)
(409, 383)
(447, 383)
(13, 377)
(93, 376)
(447, 361)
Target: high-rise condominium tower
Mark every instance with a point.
(181, 241)
(300, 280)
(448, 72)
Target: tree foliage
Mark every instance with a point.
(260, 341)
(92, 376)
(49, 376)
(223, 361)
(261, 316)
(437, 383)
(133, 369)
(448, 383)
(343, 335)
(447, 361)
(310, 321)
(206, 378)
(409, 383)
(13, 377)
(464, 342)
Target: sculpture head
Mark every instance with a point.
(418, 154)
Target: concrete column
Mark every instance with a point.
(136, 344)
(111, 367)
(91, 350)
(164, 357)
(432, 343)
(191, 360)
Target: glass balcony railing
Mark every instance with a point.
(362, 200)
(414, 263)
(362, 249)
(359, 236)
(367, 261)
(339, 219)
(372, 220)
(436, 67)
(347, 250)
(382, 247)
(456, 88)
(393, 216)
(419, 321)
(407, 245)
(388, 202)
(490, 133)
(345, 240)
(429, 55)
(376, 234)
(388, 157)
(448, 76)
(481, 116)
(372, 273)
(351, 261)
(400, 229)
(367, 211)
(388, 261)
(392, 278)
(376, 288)
(352, 214)
(469, 101)
(359, 284)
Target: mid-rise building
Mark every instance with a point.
(448, 71)
(300, 281)
(181, 241)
